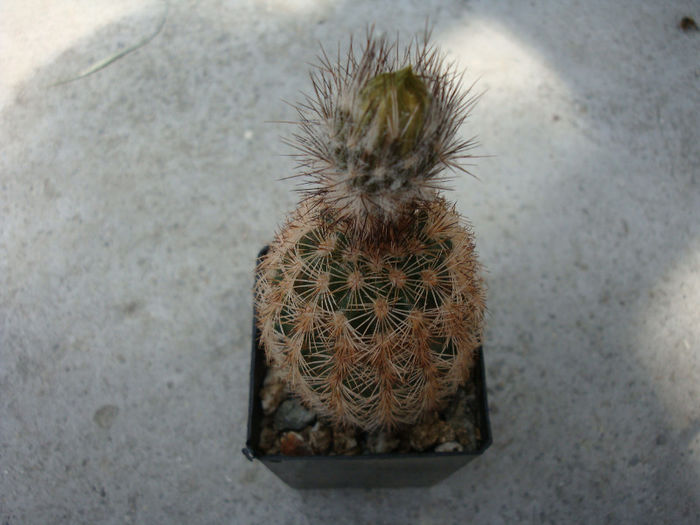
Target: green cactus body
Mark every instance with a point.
(370, 297)
(372, 336)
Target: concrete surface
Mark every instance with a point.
(133, 201)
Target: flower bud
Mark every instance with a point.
(391, 110)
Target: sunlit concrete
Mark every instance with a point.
(35, 32)
(668, 343)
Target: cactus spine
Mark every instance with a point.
(370, 297)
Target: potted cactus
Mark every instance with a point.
(369, 303)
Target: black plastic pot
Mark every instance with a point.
(372, 470)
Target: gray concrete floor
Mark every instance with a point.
(133, 201)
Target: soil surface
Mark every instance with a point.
(290, 429)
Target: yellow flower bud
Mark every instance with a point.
(392, 110)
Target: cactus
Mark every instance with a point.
(370, 298)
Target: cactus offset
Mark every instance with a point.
(370, 297)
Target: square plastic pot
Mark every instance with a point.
(418, 469)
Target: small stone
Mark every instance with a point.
(320, 438)
(445, 432)
(268, 440)
(687, 23)
(382, 442)
(449, 446)
(291, 415)
(105, 416)
(460, 417)
(273, 391)
(465, 431)
(345, 442)
(293, 444)
(426, 433)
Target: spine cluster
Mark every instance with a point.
(379, 130)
